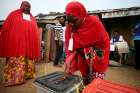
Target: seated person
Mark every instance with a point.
(116, 38)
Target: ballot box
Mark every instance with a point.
(105, 86)
(52, 83)
(122, 47)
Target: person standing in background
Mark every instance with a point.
(63, 22)
(59, 39)
(116, 37)
(20, 45)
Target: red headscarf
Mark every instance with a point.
(20, 37)
(72, 8)
(91, 33)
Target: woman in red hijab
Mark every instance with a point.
(87, 43)
(20, 45)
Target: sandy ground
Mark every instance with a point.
(122, 74)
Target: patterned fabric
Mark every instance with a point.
(85, 64)
(17, 70)
(99, 75)
(58, 32)
(88, 56)
(30, 69)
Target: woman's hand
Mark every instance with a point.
(66, 71)
(68, 62)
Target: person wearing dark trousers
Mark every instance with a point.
(137, 46)
(59, 53)
(59, 40)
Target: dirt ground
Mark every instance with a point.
(122, 74)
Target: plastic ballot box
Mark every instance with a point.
(105, 86)
(52, 83)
